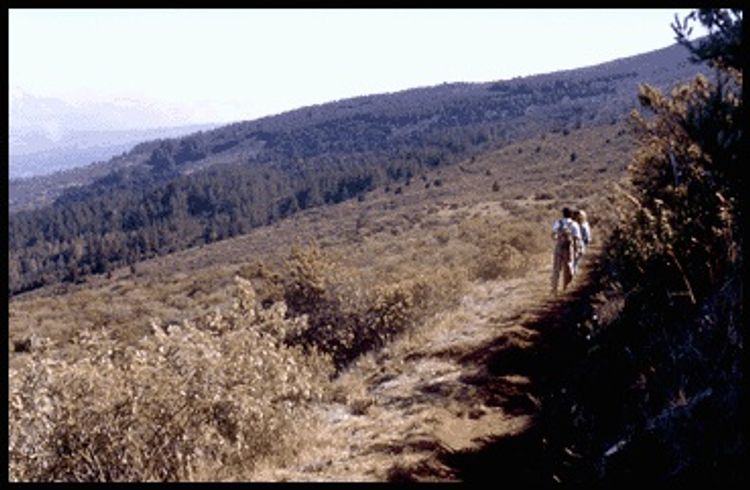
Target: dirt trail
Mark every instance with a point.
(423, 394)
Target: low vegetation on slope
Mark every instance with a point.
(190, 401)
(508, 196)
(209, 397)
(384, 265)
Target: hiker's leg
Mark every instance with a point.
(556, 264)
(555, 273)
(567, 274)
(566, 257)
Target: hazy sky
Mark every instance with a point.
(225, 65)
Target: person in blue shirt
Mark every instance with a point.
(579, 217)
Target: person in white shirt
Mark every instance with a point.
(579, 217)
(567, 236)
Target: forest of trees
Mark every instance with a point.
(97, 231)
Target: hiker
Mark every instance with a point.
(579, 217)
(567, 236)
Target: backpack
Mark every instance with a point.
(564, 234)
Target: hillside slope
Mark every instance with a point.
(498, 111)
(402, 226)
(169, 195)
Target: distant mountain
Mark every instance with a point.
(47, 135)
(54, 118)
(168, 194)
(34, 152)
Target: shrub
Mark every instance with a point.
(543, 196)
(657, 382)
(501, 260)
(683, 222)
(306, 281)
(201, 400)
(504, 250)
(337, 324)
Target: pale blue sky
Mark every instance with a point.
(225, 65)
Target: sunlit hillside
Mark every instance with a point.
(361, 291)
(435, 220)
(385, 264)
(168, 195)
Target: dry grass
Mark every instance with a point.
(200, 400)
(97, 376)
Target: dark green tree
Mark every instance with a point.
(723, 45)
(668, 409)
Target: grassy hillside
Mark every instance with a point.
(409, 333)
(168, 195)
(381, 267)
(406, 226)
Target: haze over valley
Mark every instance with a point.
(48, 135)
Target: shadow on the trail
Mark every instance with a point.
(541, 350)
(632, 395)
